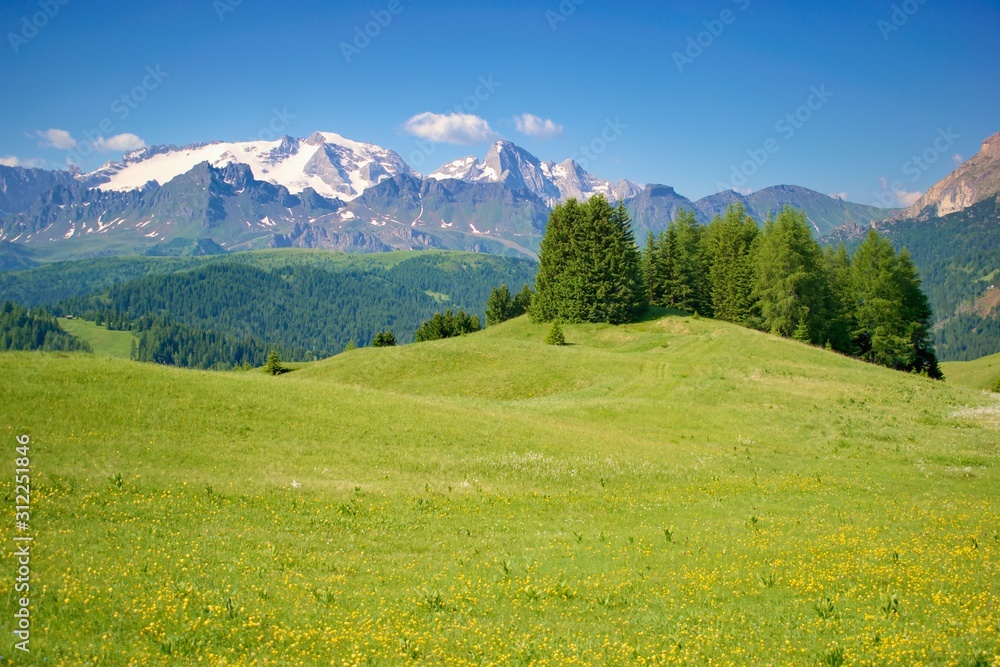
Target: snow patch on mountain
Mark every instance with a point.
(330, 164)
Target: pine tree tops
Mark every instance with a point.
(384, 339)
(589, 267)
(501, 306)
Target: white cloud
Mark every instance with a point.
(907, 198)
(903, 197)
(533, 126)
(56, 139)
(839, 195)
(957, 157)
(453, 128)
(63, 140)
(119, 142)
(14, 161)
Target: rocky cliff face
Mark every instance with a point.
(974, 181)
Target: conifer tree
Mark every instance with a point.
(729, 242)
(843, 301)
(790, 286)
(273, 365)
(688, 287)
(893, 318)
(589, 266)
(522, 301)
(500, 307)
(555, 335)
(384, 339)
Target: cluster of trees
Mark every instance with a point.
(501, 306)
(36, 329)
(589, 267)
(384, 339)
(780, 280)
(448, 325)
(777, 279)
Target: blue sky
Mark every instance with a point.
(693, 95)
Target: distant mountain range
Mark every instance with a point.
(326, 191)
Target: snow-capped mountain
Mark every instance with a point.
(328, 163)
(518, 169)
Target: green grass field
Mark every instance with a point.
(979, 374)
(677, 491)
(102, 340)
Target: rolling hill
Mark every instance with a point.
(676, 491)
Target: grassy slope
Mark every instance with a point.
(102, 340)
(979, 374)
(491, 500)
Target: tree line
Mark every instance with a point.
(776, 279)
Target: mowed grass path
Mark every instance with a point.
(677, 491)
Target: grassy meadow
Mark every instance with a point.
(677, 491)
(979, 374)
(102, 340)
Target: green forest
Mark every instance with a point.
(226, 312)
(23, 329)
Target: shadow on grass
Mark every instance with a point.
(654, 313)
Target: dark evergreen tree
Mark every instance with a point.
(589, 267)
(688, 286)
(729, 243)
(843, 300)
(384, 339)
(500, 307)
(448, 325)
(893, 318)
(790, 285)
(273, 365)
(522, 301)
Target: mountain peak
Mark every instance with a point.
(507, 163)
(972, 182)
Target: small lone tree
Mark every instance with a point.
(555, 335)
(996, 387)
(274, 365)
(351, 345)
(384, 339)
